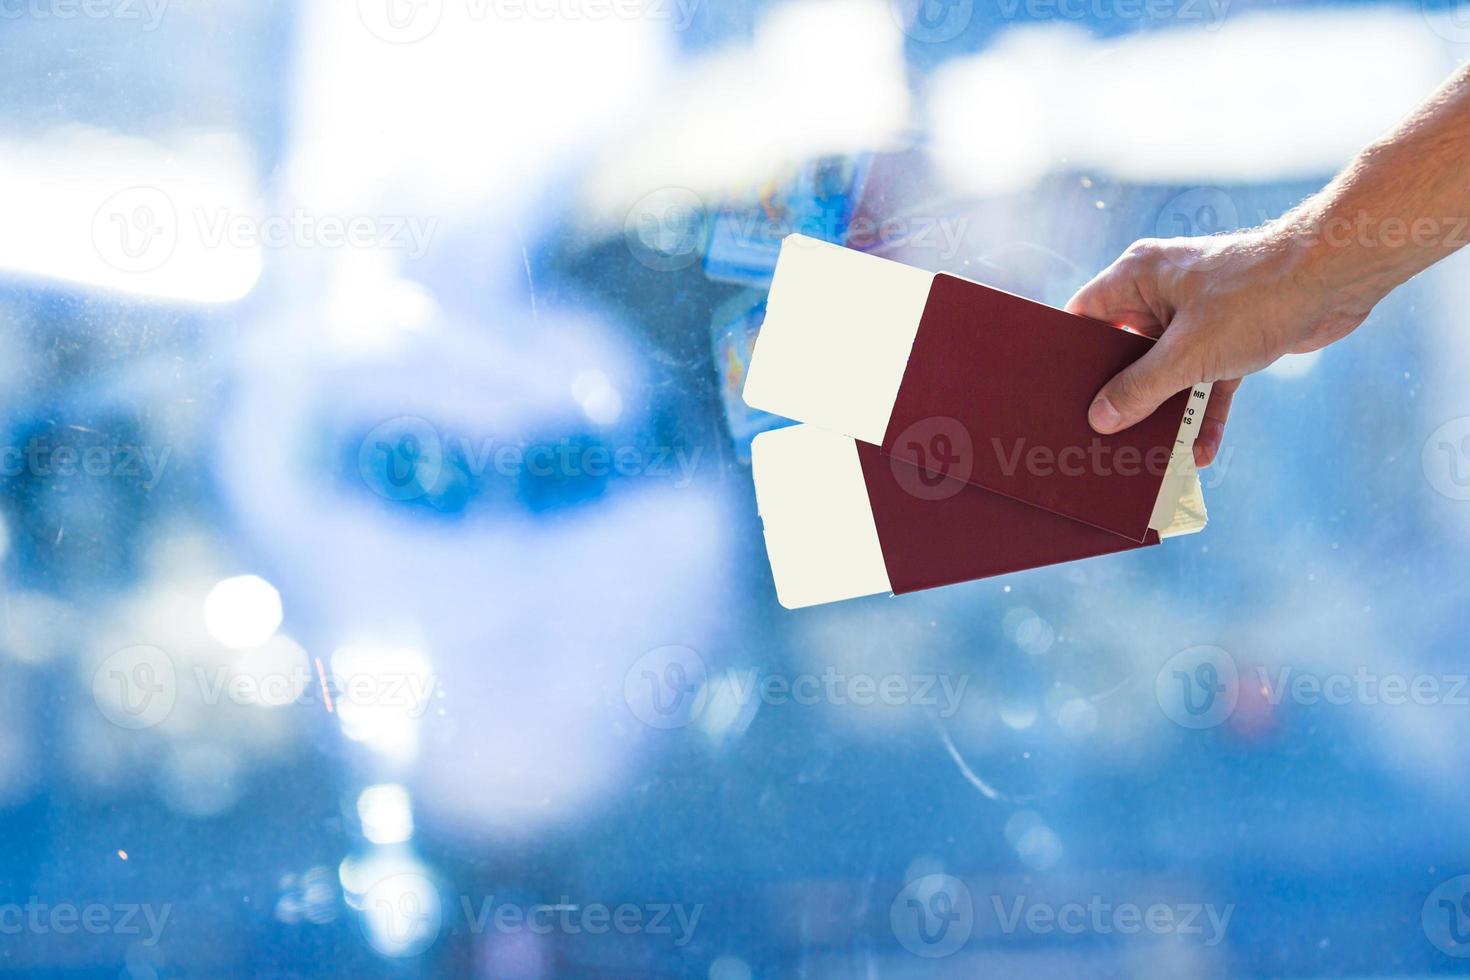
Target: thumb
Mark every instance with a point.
(1139, 389)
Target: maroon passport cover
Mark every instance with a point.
(996, 394)
(935, 530)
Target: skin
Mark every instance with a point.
(1226, 306)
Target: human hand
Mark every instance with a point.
(1222, 307)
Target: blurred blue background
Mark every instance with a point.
(383, 588)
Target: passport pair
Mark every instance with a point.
(943, 432)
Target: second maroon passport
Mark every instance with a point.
(935, 530)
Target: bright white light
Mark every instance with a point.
(386, 814)
(1294, 365)
(822, 77)
(382, 694)
(278, 671)
(600, 401)
(729, 704)
(1263, 97)
(370, 307)
(1002, 145)
(483, 104)
(1018, 715)
(399, 905)
(85, 205)
(243, 611)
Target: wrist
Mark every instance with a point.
(1341, 257)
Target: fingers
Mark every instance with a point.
(1117, 295)
(1140, 388)
(1127, 293)
(1212, 429)
(1091, 299)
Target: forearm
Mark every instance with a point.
(1400, 206)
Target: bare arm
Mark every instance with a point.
(1226, 306)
